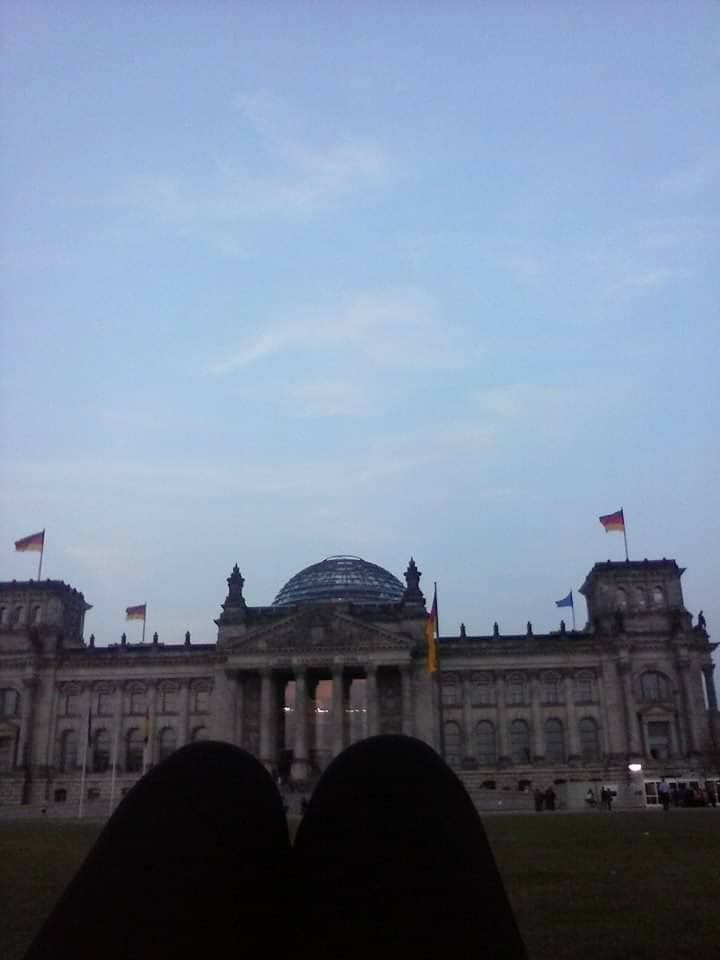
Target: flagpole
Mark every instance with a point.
(42, 550)
(572, 607)
(438, 681)
(627, 556)
(144, 621)
(113, 778)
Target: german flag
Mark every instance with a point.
(35, 542)
(136, 613)
(613, 522)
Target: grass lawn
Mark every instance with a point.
(636, 886)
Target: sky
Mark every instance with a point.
(287, 280)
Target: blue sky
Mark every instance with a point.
(288, 280)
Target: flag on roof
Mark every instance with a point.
(135, 613)
(566, 601)
(35, 541)
(613, 522)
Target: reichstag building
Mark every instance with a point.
(340, 655)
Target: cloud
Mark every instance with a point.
(330, 399)
(394, 329)
(293, 177)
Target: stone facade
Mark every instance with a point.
(296, 684)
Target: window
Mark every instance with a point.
(551, 688)
(167, 742)
(584, 688)
(589, 741)
(621, 599)
(199, 733)
(3, 616)
(105, 702)
(70, 701)
(137, 700)
(640, 598)
(168, 698)
(19, 614)
(658, 596)
(449, 689)
(483, 689)
(520, 741)
(554, 741)
(9, 702)
(658, 734)
(485, 742)
(200, 697)
(68, 751)
(36, 614)
(134, 749)
(452, 743)
(101, 751)
(515, 692)
(7, 753)
(655, 686)
(60, 795)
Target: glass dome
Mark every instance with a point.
(338, 579)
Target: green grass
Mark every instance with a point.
(636, 886)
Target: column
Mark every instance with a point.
(239, 709)
(408, 713)
(266, 699)
(538, 745)
(573, 741)
(23, 757)
(501, 714)
(686, 680)
(184, 715)
(117, 757)
(629, 707)
(338, 709)
(606, 742)
(469, 753)
(708, 670)
(372, 699)
(300, 766)
(153, 731)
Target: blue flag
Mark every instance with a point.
(566, 601)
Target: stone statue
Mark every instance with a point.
(702, 624)
(496, 629)
(463, 632)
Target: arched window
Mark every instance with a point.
(658, 596)
(655, 686)
(551, 688)
(167, 742)
(519, 741)
(168, 697)
(68, 751)
(20, 614)
(199, 733)
(134, 750)
(137, 699)
(200, 697)
(449, 689)
(621, 599)
(640, 598)
(452, 743)
(101, 751)
(658, 734)
(9, 702)
(4, 616)
(483, 689)
(589, 740)
(515, 689)
(554, 741)
(584, 687)
(36, 614)
(486, 745)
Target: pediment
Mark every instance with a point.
(323, 633)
